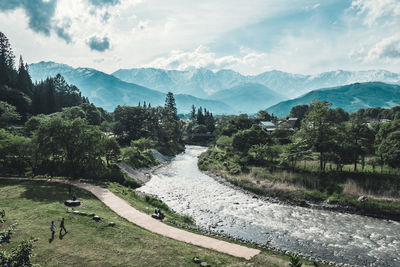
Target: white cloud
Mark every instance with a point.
(377, 9)
(388, 49)
(201, 57)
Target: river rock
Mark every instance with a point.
(362, 199)
(96, 218)
(204, 264)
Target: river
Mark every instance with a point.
(326, 235)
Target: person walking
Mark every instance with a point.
(53, 229)
(62, 226)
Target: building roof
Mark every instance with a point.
(267, 124)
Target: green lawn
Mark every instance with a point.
(33, 204)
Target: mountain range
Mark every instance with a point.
(349, 97)
(107, 91)
(224, 91)
(203, 82)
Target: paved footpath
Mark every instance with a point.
(123, 209)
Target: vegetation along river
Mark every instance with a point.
(326, 235)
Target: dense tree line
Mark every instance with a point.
(49, 128)
(201, 126)
(331, 136)
(159, 124)
(17, 89)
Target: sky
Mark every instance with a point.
(248, 36)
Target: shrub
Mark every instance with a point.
(156, 203)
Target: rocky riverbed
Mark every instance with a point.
(220, 208)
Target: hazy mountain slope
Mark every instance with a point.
(248, 97)
(349, 97)
(108, 91)
(202, 82)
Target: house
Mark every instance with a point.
(293, 122)
(269, 126)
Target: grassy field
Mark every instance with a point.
(34, 204)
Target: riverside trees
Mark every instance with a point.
(330, 136)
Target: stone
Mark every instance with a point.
(196, 260)
(96, 218)
(83, 213)
(362, 199)
(112, 224)
(204, 264)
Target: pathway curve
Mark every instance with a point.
(123, 209)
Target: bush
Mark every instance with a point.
(155, 202)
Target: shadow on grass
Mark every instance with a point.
(46, 192)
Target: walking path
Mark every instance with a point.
(123, 209)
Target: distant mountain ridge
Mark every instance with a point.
(108, 91)
(349, 97)
(203, 82)
(222, 92)
(248, 97)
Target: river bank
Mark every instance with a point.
(336, 237)
(272, 188)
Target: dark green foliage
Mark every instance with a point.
(138, 154)
(70, 148)
(8, 114)
(295, 260)
(7, 58)
(21, 255)
(155, 202)
(243, 140)
(16, 98)
(390, 149)
(200, 130)
(299, 112)
(54, 94)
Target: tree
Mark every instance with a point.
(318, 129)
(8, 113)
(360, 139)
(299, 112)
(7, 72)
(390, 149)
(24, 82)
(263, 115)
(112, 150)
(295, 152)
(245, 139)
(200, 116)
(70, 148)
(170, 104)
(193, 114)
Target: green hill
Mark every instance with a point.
(349, 97)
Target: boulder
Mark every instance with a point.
(96, 218)
(196, 260)
(362, 199)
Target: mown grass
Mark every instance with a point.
(148, 204)
(34, 204)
